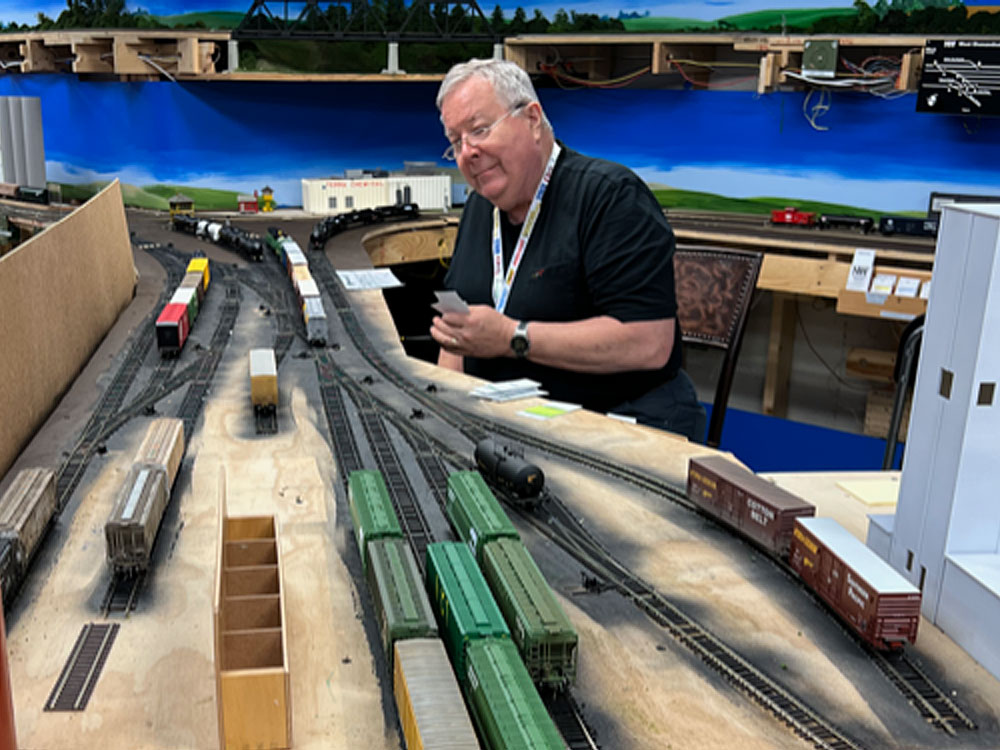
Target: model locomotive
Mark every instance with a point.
(507, 470)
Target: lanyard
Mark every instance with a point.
(503, 282)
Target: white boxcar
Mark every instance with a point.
(315, 317)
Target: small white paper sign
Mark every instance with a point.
(449, 301)
(925, 290)
(882, 286)
(907, 286)
(377, 278)
(860, 275)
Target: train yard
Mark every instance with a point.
(375, 414)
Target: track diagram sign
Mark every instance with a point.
(961, 77)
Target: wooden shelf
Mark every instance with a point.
(733, 61)
(737, 61)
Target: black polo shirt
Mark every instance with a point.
(601, 246)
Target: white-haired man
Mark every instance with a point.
(566, 261)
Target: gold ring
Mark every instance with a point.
(454, 341)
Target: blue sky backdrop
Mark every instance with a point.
(875, 154)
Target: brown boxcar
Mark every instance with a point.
(758, 509)
(163, 446)
(875, 600)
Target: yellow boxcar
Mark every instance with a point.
(201, 266)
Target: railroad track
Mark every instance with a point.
(932, 703)
(122, 593)
(96, 430)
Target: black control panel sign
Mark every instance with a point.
(961, 77)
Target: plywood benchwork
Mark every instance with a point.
(251, 657)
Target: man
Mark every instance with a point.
(566, 262)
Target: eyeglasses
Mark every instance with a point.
(479, 135)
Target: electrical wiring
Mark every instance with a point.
(707, 85)
(610, 83)
(150, 61)
(805, 335)
(819, 109)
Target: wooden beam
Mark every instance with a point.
(780, 349)
(871, 364)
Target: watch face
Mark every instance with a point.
(520, 343)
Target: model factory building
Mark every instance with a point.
(359, 189)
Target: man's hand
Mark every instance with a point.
(483, 332)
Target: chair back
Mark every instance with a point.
(714, 290)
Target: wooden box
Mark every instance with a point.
(251, 655)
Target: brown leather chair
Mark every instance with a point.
(714, 289)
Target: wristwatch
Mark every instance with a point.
(520, 343)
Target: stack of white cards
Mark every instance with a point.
(509, 390)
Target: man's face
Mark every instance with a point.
(505, 167)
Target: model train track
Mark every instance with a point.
(276, 293)
(79, 677)
(387, 459)
(96, 430)
(194, 398)
(758, 226)
(570, 722)
(122, 593)
(933, 704)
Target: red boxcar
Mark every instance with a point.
(758, 509)
(792, 215)
(172, 328)
(875, 600)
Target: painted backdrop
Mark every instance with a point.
(875, 154)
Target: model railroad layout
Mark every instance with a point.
(932, 701)
(354, 413)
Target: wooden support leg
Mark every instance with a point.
(780, 349)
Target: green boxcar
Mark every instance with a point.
(461, 600)
(397, 588)
(504, 702)
(538, 624)
(371, 510)
(475, 512)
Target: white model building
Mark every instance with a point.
(354, 191)
(945, 535)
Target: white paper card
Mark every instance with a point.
(907, 286)
(883, 283)
(925, 290)
(449, 301)
(862, 266)
(377, 278)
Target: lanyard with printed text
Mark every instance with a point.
(503, 282)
